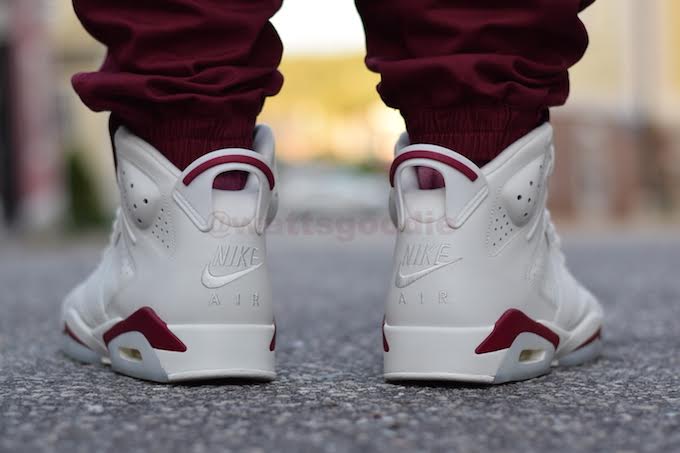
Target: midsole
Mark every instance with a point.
(194, 336)
(479, 351)
(244, 347)
(438, 350)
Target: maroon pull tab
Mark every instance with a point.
(446, 160)
(229, 159)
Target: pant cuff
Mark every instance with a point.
(183, 140)
(479, 133)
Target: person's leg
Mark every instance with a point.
(182, 291)
(473, 75)
(480, 290)
(187, 76)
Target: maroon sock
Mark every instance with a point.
(479, 133)
(184, 141)
(473, 76)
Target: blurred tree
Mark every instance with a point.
(85, 208)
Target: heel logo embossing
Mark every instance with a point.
(245, 258)
(217, 281)
(404, 280)
(417, 255)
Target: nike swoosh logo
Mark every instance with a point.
(216, 281)
(402, 281)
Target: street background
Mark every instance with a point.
(615, 195)
(618, 138)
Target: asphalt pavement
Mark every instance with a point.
(329, 395)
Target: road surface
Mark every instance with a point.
(329, 395)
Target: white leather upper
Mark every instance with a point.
(175, 247)
(468, 252)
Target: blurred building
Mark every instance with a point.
(31, 176)
(6, 175)
(618, 138)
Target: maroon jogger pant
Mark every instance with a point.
(191, 76)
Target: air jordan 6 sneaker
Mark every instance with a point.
(479, 289)
(182, 291)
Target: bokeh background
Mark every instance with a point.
(618, 137)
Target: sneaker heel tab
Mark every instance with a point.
(193, 191)
(437, 157)
(465, 184)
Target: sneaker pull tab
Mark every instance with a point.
(193, 191)
(465, 184)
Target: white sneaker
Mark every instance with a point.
(182, 291)
(480, 291)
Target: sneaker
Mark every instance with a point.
(182, 291)
(480, 291)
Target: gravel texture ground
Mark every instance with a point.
(330, 395)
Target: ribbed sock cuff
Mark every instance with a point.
(479, 133)
(183, 140)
